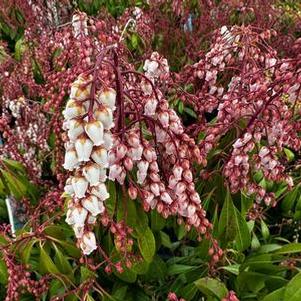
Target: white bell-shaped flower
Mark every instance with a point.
(100, 191)
(91, 171)
(71, 159)
(88, 243)
(107, 140)
(155, 188)
(164, 119)
(100, 156)
(150, 107)
(69, 217)
(83, 147)
(94, 130)
(80, 89)
(73, 109)
(91, 219)
(76, 128)
(115, 171)
(141, 177)
(80, 186)
(78, 230)
(143, 166)
(135, 153)
(103, 175)
(105, 115)
(108, 98)
(68, 187)
(91, 204)
(79, 215)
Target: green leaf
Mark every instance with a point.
(165, 240)
(189, 291)
(289, 249)
(128, 275)
(134, 41)
(255, 243)
(264, 230)
(19, 49)
(233, 269)
(147, 244)
(86, 274)
(276, 295)
(62, 262)
(71, 250)
(46, 264)
(289, 154)
(181, 107)
(157, 221)
(232, 226)
(190, 112)
(175, 269)
(293, 289)
(3, 272)
(25, 250)
(157, 269)
(211, 287)
(111, 201)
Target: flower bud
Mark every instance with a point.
(180, 188)
(150, 107)
(115, 171)
(165, 197)
(164, 119)
(121, 151)
(177, 171)
(128, 163)
(135, 152)
(155, 189)
(132, 191)
(133, 140)
(94, 130)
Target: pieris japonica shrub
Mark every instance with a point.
(150, 150)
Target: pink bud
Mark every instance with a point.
(128, 163)
(132, 191)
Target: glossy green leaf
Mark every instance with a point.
(157, 221)
(232, 226)
(147, 244)
(276, 295)
(46, 264)
(293, 289)
(211, 287)
(3, 272)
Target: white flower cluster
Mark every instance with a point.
(88, 125)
